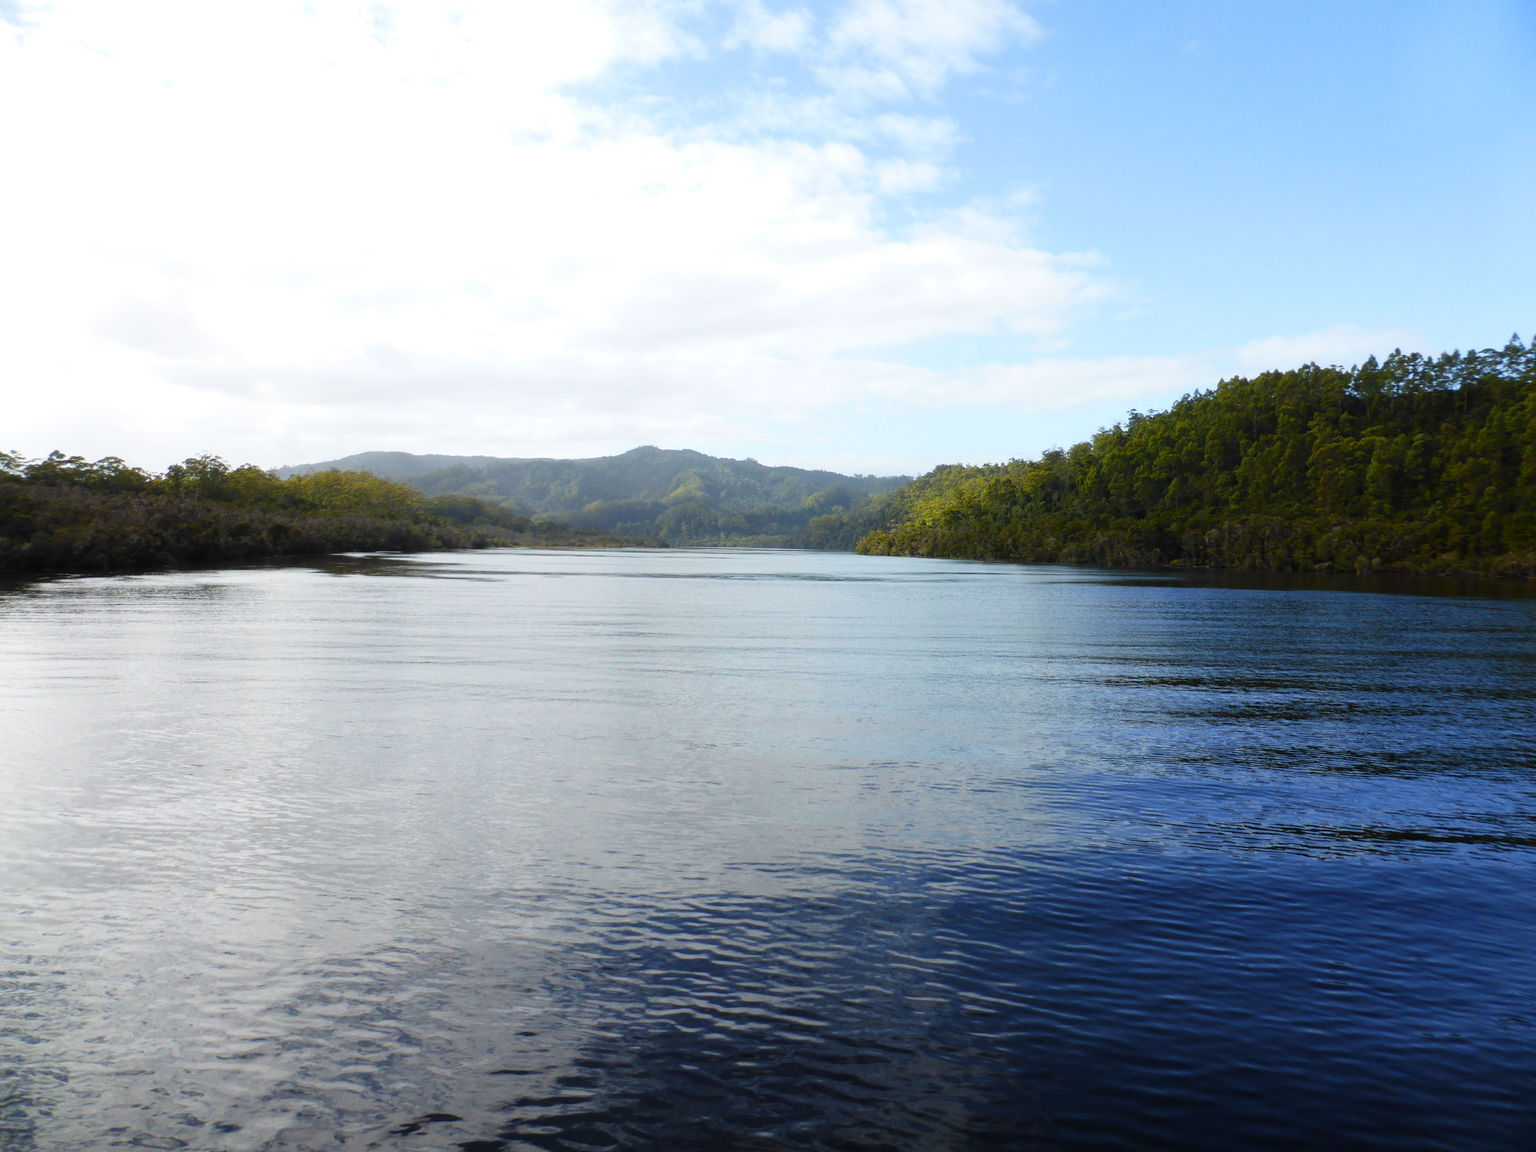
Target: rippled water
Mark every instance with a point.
(762, 850)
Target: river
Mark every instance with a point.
(720, 849)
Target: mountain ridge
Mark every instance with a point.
(678, 495)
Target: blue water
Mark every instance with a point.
(763, 850)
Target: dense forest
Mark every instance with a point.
(1408, 464)
(67, 514)
(673, 495)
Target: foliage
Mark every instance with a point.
(67, 514)
(469, 510)
(1408, 464)
(361, 493)
(109, 474)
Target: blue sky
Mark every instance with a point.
(874, 235)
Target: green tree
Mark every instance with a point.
(340, 491)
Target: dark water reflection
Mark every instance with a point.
(712, 850)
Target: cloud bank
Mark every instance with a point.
(281, 230)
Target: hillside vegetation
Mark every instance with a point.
(1408, 464)
(678, 496)
(67, 514)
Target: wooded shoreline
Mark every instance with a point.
(68, 516)
(1409, 465)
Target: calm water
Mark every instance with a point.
(762, 850)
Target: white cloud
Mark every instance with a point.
(1342, 344)
(767, 30)
(892, 48)
(1055, 384)
(282, 231)
(252, 224)
(900, 177)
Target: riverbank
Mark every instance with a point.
(65, 530)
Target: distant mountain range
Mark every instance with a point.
(675, 495)
(391, 465)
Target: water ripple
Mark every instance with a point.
(704, 850)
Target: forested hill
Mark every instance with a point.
(68, 514)
(671, 494)
(389, 465)
(1409, 464)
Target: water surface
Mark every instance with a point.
(769, 850)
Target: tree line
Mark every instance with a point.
(68, 514)
(1411, 463)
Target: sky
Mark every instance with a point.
(868, 235)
